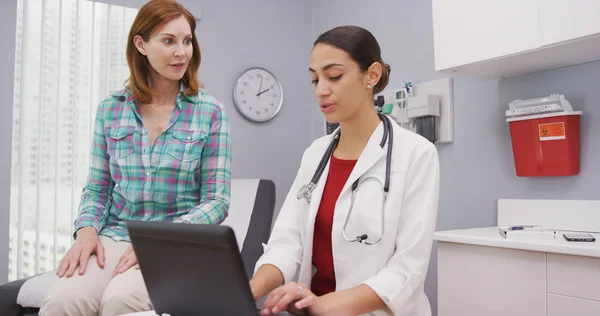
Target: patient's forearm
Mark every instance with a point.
(267, 278)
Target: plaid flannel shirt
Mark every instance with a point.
(184, 177)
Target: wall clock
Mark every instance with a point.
(258, 95)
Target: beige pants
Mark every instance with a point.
(97, 292)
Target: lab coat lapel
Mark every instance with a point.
(318, 190)
(371, 155)
(368, 158)
(313, 208)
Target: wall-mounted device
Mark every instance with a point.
(545, 136)
(424, 108)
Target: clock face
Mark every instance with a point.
(258, 95)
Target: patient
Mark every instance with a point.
(160, 152)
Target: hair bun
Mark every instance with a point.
(387, 66)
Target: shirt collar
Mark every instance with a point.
(126, 95)
(191, 98)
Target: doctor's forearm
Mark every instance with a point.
(267, 278)
(355, 301)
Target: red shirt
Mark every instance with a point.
(323, 281)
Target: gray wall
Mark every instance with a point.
(478, 168)
(274, 35)
(579, 84)
(235, 35)
(403, 29)
(8, 25)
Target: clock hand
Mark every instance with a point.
(258, 95)
(260, 87)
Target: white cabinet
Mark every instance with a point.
(476, 281)
(468, 31)
(565, 20)
(574, 276)
(504, 38)
(481, 273)
(559, 305)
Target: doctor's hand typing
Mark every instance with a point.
(294, 298)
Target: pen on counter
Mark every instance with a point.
(521, 227)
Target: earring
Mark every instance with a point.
(368, 86)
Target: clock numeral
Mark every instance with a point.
(251, 77)
(245, 83)
(257, 112)
(241, 92)
(244, 102)
(274, 95)
(266, 110)
(272, 104)
(272, 86)
(258, 75)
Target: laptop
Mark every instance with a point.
(192, 269)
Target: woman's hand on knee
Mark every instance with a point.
(86, 244)
(128, 260)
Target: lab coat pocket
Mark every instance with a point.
(371, 214)
(374, 203)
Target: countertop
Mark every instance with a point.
(489, 236)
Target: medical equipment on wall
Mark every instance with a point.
(379, 102)
(306, 190)
(425, 108)
(545, 136)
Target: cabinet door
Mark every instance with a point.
(571, 306)
(469, 31)
(489, 281)
(574, 276)
(563, 20)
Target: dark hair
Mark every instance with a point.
(361, 45)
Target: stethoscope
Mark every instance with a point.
(306, 190)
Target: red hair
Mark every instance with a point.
(150, 17)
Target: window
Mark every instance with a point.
(65, 51)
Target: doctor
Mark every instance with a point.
(355, 247)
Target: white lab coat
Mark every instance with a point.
(395, 268)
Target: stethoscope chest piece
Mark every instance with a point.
(305, 192)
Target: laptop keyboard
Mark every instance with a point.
(279, 314)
